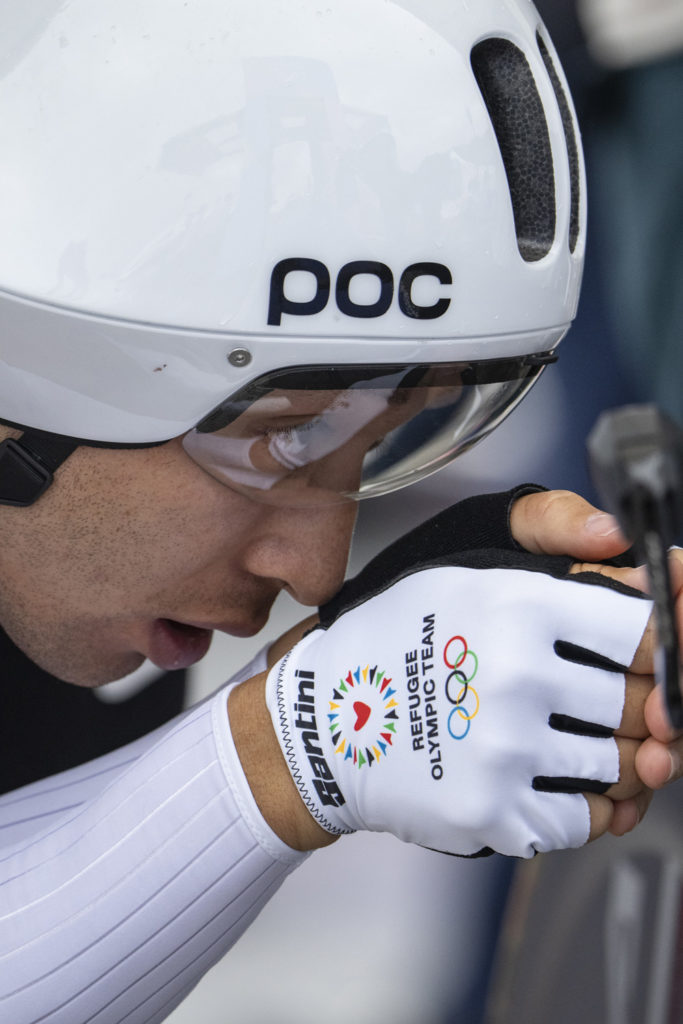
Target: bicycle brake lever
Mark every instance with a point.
(636, 460)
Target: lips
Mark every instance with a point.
(176, 645)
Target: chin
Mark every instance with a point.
(92, 671)
(61, 652)
(108, 674)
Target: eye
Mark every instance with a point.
(287, 431)
(269, 432)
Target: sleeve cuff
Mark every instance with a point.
(236, 779)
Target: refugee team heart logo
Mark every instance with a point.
(363, 716)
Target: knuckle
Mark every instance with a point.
(543, 504)
(539, 520)
(554, 503)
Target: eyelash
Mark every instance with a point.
(286, 431)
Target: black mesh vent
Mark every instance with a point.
(572, 145)
(509, 91)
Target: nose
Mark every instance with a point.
(305, 550)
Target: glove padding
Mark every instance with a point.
(444, 708)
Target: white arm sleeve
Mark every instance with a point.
(124, 880)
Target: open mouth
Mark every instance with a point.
(176, 645)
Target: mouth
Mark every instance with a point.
(176, 645)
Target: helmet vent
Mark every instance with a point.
(572, 145)
(509, 91)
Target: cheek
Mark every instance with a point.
(125, 523)
(149, 549)
(119, 534)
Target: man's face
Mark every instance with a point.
(140, 553)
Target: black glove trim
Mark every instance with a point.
(581, 655)
(577, 727)
(566, 784)
(482, 521)
(383, 571)
(485, 851)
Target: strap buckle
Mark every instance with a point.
(23, 478)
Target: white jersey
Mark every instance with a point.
(125, 879)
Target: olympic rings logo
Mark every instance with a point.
(463, 664)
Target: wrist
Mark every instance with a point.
(285, 642)
(266, 771)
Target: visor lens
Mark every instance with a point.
(317, 436)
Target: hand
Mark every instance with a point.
(403, 767)
(559, 522)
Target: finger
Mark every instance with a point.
(616, 816)
(641, 576)
(562, 523)
(629, 813)
(637, 693)
(657, 718)
(659, 763)
(630, 783)
(630, 577)
(601, 810)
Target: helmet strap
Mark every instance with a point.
(27, 465)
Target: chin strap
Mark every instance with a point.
(27, 465)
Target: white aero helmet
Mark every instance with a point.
(330, 244)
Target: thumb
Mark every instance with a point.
(562, 523)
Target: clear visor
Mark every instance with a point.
(319, 435)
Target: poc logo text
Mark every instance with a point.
(279, 304)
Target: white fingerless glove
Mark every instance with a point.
(445, 709)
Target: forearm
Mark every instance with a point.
(150, 870)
